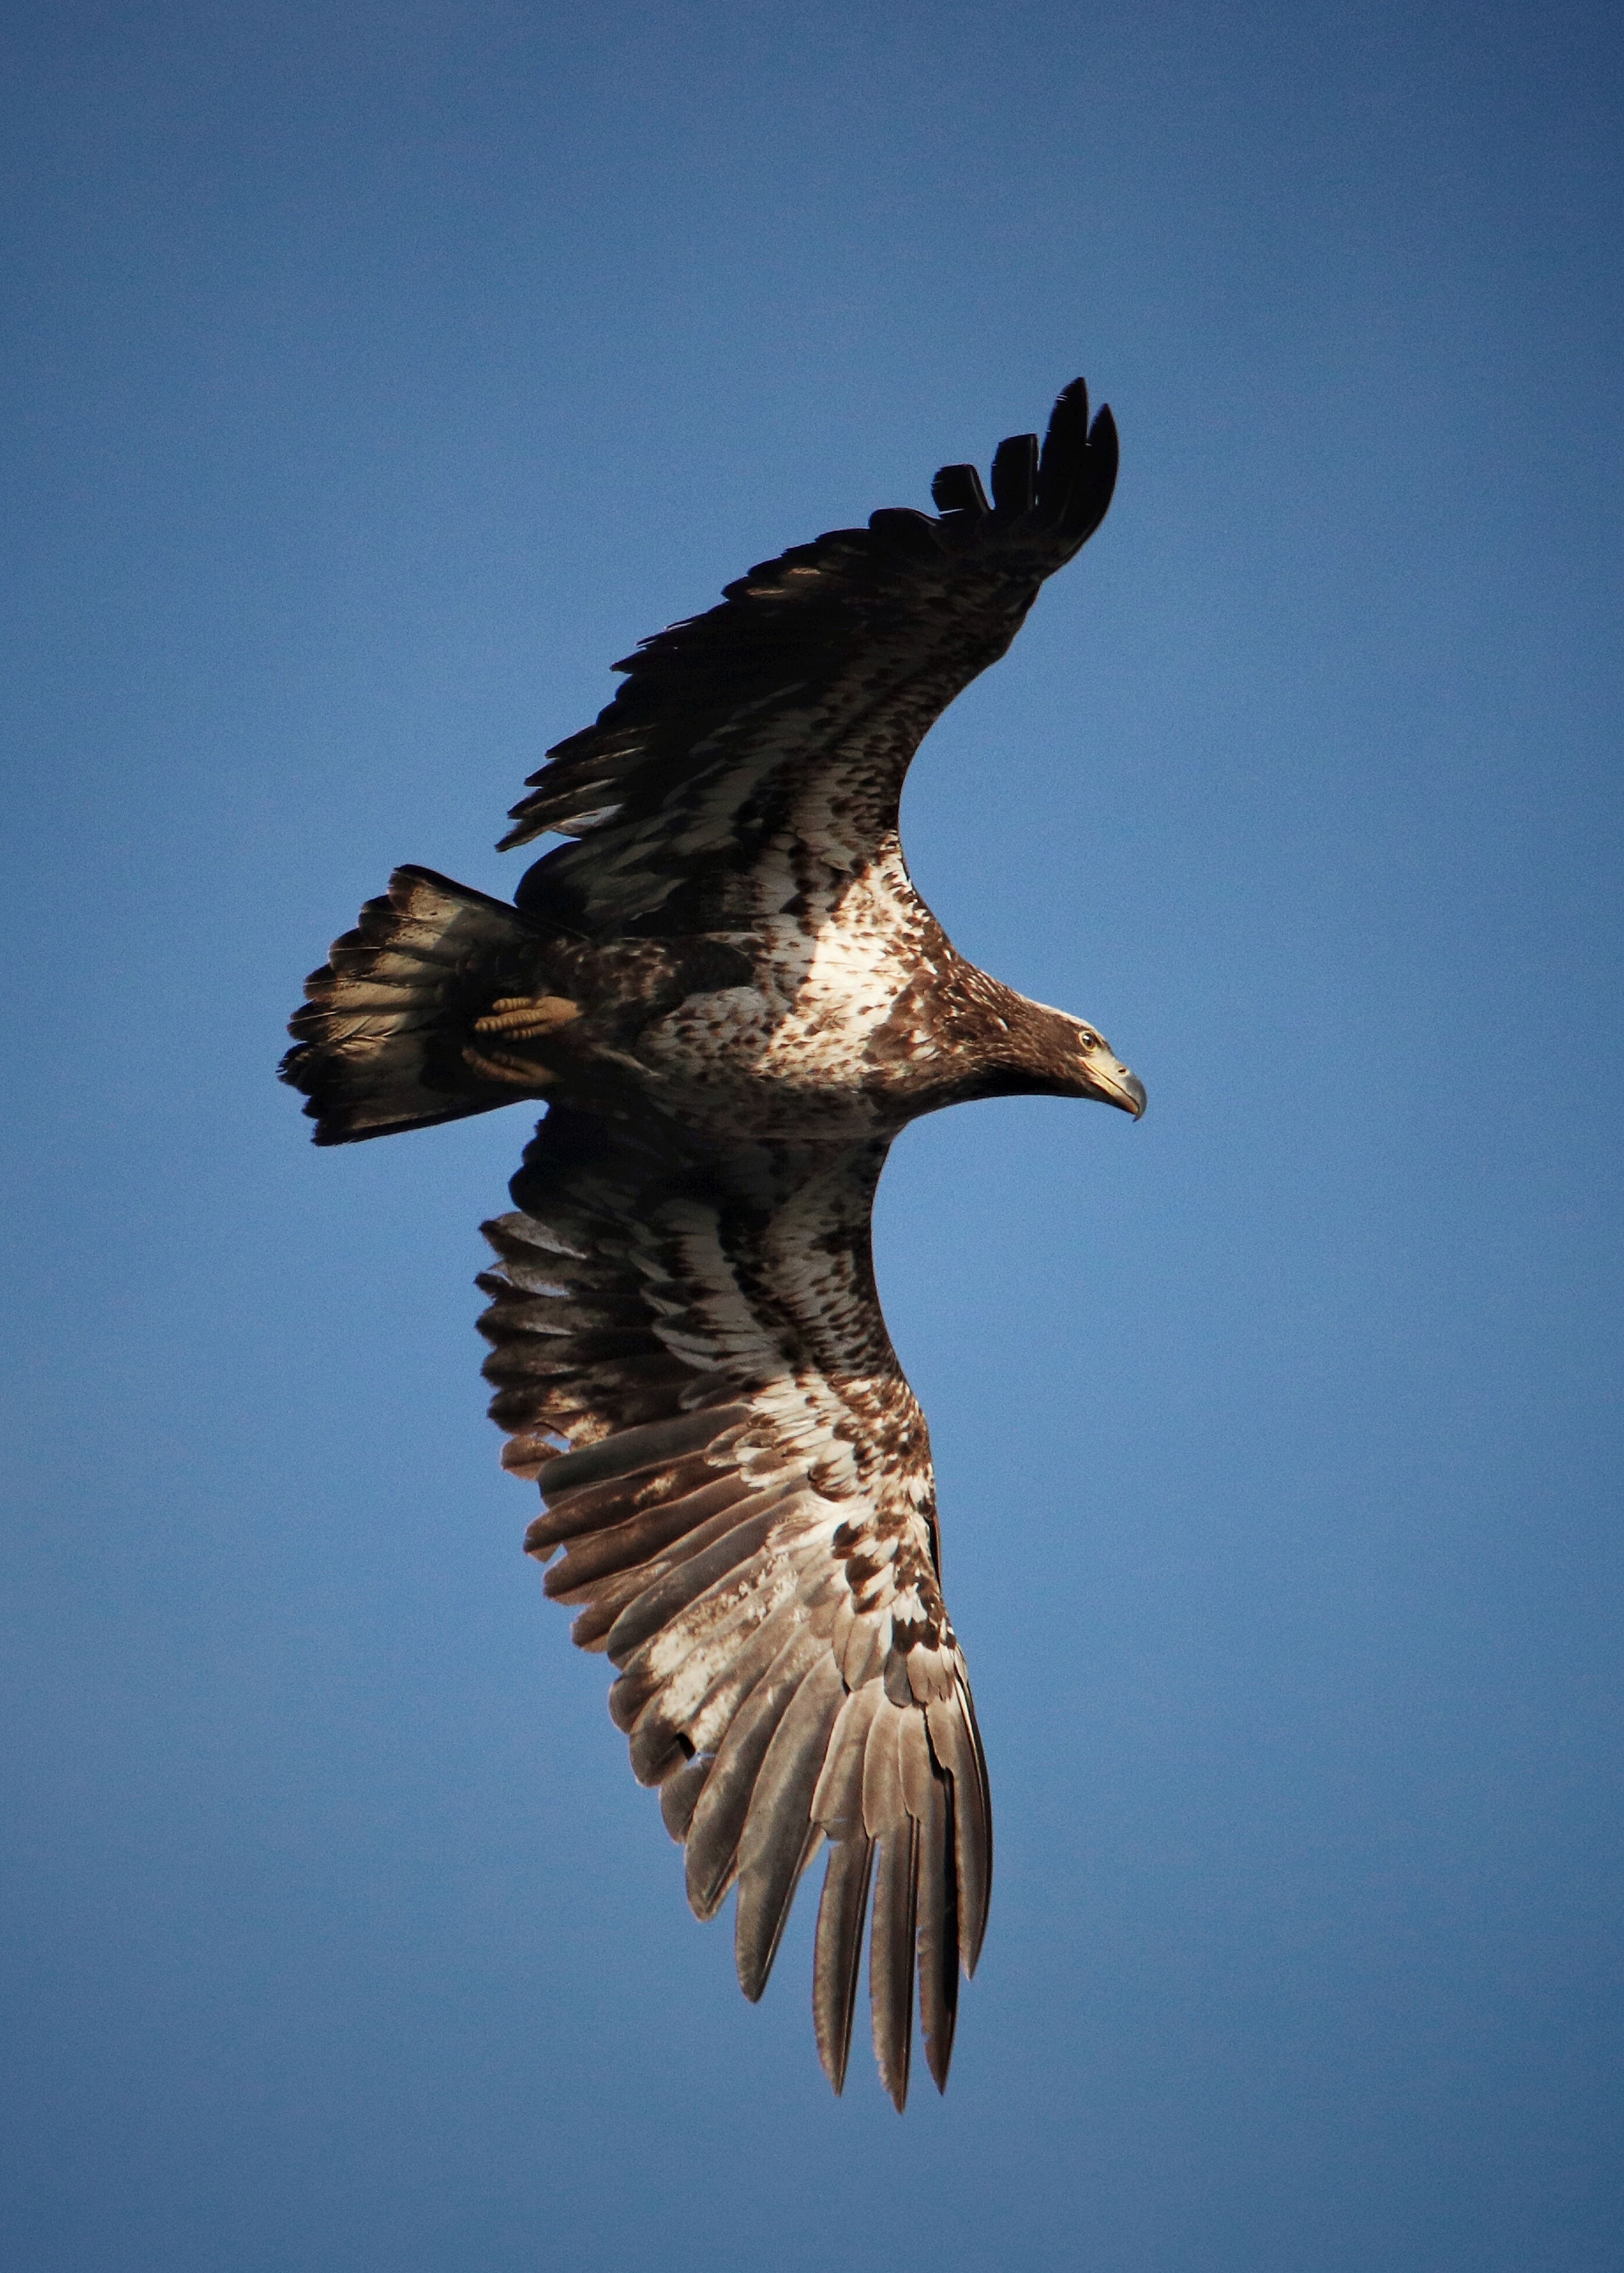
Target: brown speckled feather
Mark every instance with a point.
(766, 1548)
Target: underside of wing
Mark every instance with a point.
(746, 1519)
(792, 710)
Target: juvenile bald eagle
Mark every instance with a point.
(732, 999)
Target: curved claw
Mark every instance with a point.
(513, 1073)
(520, 1015)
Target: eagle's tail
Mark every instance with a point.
(386, 1037)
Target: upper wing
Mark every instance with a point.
(749, 1516)
(791, 711)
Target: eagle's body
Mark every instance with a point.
(799, 1048)
(732, 999)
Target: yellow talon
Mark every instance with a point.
(516, 1073)
(520, 1015)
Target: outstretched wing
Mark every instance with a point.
(784, 720)
(748, 1523)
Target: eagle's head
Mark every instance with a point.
(1099, 1072)
(1030, 1049)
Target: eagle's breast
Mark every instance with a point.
(790, 1051)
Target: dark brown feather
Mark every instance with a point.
(957, 1751)
(719, 1818)
(632, 1449)
(622, 1546)
(658, 1604)
(891, 1956)
(837, 1955)
(939, 1931)
(603, 1506)
(779, 1837)
(680, 1797)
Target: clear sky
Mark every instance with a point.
(377, 374)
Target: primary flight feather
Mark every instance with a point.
(732, 998)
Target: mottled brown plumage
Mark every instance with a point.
(732, 999)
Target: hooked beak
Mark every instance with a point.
(1113, 1083)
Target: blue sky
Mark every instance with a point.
(374, 377)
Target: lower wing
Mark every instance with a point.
(747, 1512)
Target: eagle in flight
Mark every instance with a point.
(730, 996)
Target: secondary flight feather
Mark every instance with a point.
(731, 998)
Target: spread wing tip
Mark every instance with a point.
(711, 692)
(1064, 488)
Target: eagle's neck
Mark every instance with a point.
(957, 1034)
(1019, 1047)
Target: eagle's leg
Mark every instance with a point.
(518, 1019)
(526, 1073)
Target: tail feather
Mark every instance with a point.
(379, 1044)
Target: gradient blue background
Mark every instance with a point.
(376, 376)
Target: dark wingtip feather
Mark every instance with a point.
(1063, 446)
(1092, 494)
(720, 1817)
(956, 1743)
(837, 1957)
(938, 1931)
(766, 1892)
(1015, 476)
(891, 1956)
(912, 534)
(680, 1797)
(779, 1837)
(1077, 472)
(957, 489)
